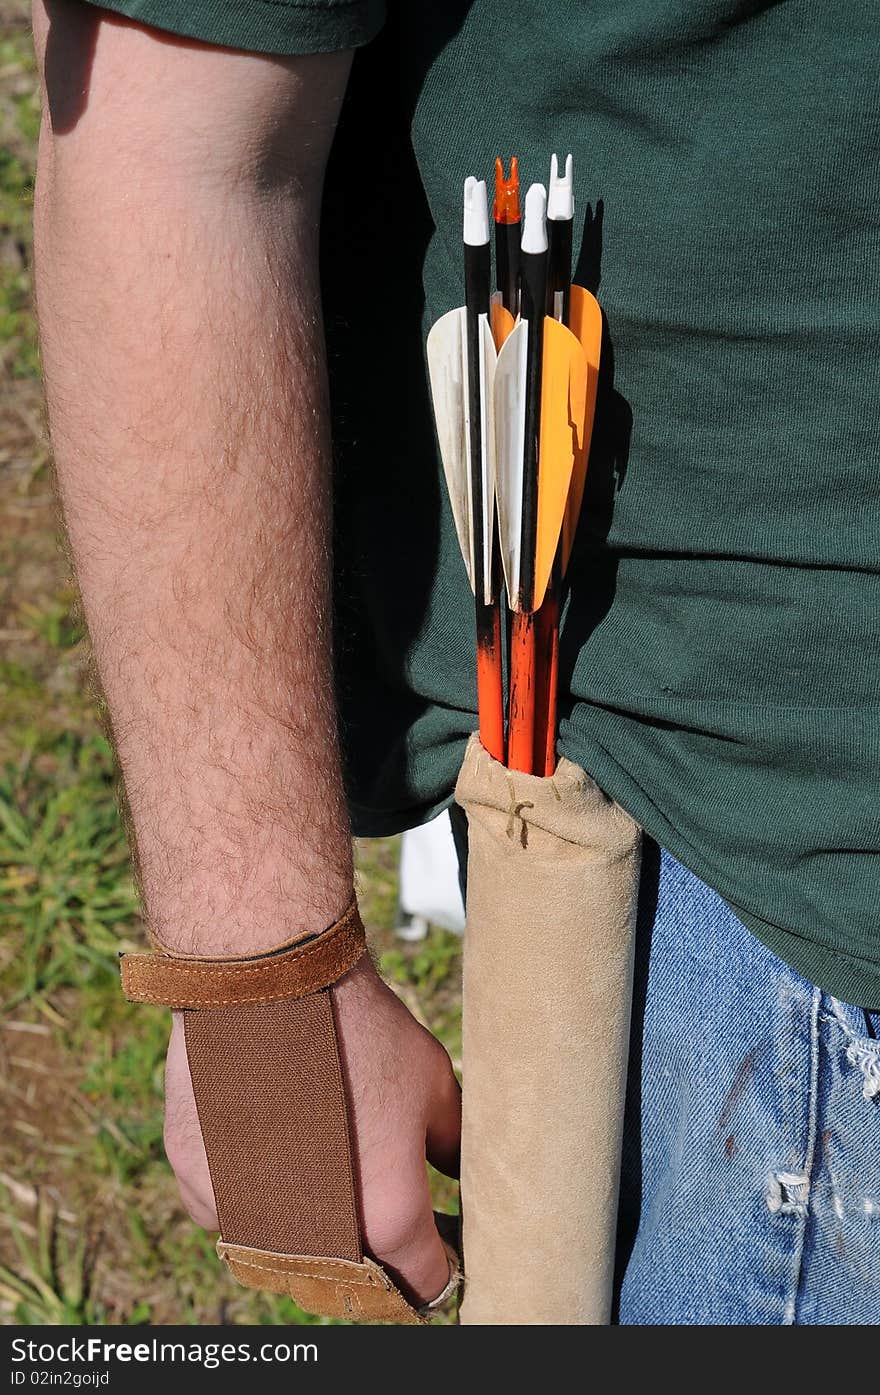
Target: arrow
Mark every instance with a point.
(540, 488)
(514, 406)
(533, 296)
(461, 365)
(506, 214)
(575, 307)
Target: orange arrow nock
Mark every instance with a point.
(506, 209)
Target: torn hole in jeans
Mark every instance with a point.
(787, 1193)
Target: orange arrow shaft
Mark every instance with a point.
(521, 725)
(547, 671)
(490, 685)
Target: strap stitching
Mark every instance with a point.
(371, 1281)
(148, 963)
(141, 969)
(289, 946)
(244, 966)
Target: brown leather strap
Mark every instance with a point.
(336, 1288)
(313, 963)
(271, 1104)
(270, 1094)
(264, 1060)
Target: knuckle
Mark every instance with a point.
(197, 1207)
(399, 1241)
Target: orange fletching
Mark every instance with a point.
(500, 320)
(585, 322)
(563, 406)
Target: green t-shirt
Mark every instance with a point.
(720, 663)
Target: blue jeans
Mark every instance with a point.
(751, 1173)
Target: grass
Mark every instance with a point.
(91, 1229)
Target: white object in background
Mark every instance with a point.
(429, 889)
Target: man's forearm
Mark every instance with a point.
(176, 228)
(183, 355)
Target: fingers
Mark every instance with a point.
(398, 1214)
(443, 1133)
(410, 1250)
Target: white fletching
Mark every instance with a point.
(534, 238)
(488, 363)
(476, 212)
(447, 369)
(560, 199)
(510, 428)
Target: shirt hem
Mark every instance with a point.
(286, 27)
(845, 976)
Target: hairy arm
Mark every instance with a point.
(177, 215)
(176, 231)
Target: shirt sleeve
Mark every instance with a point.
(262, 26)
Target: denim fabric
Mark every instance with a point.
(751, 1174)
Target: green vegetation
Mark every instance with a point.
(91, 1229)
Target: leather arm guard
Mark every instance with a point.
(270, 1094)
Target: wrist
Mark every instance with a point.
(360, 986)
(273, 906)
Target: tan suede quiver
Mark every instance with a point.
(553, 872)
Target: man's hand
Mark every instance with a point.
(405, 1103)
(177, 207)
